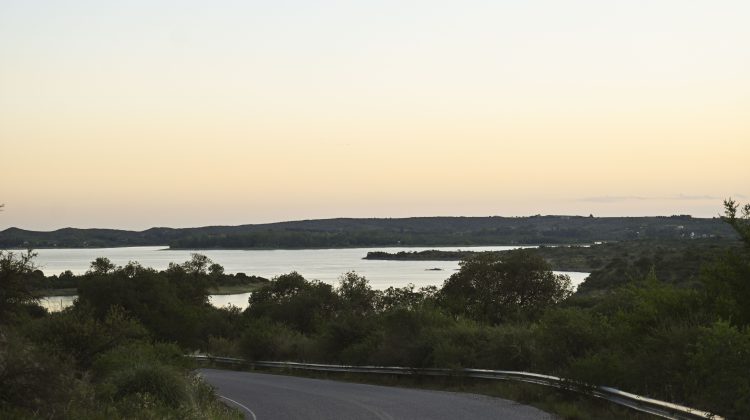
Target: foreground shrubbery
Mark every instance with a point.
(114, 375)
(96, 359)
(648, 337)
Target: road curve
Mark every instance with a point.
(264, 397)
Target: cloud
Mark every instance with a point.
(612, 199)
(679, 197)
(694, 197)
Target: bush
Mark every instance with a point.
(123, 357)
(78, 333)
(293, 301)
(568, 333)
(406, 337)
(265, 340)
(342, 337)
(31, 378)
(221, 346)
(165, 384)
(720, 364)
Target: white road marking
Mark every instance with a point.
(235, 402)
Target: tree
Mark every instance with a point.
(741, 223)
(216, 270)
(406, 297)
(727, 280)
(101, 265)
(492, 288)
(292, 300)
(14, 289)
(355, 294)
(198, 264)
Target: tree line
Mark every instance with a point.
(417, 231)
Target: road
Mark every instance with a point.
(264, 396)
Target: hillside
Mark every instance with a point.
(417, 231)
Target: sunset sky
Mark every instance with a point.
(132, 114)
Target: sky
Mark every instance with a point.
(133, 114)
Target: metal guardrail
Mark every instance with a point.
(643, 404)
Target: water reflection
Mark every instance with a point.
(222, 301)
(57, 303)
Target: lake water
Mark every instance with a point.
(326, 265)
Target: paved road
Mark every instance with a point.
(263, 396)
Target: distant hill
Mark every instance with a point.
(415, 231)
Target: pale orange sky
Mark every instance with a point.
(139, 114)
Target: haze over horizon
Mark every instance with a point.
(138, 114)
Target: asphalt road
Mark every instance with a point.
(263, 396)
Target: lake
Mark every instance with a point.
(326, 265)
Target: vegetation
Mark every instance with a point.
(67, 283)
(611, 264)
(419, 231)
(116, 353)
(683, 343)
(493, 289)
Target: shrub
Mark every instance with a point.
(78, 333)
(31, 378)
(720, 363)
(163, 383)
(123, 357)
(568, 333)
(264, 340)
(293, 301)
(405, 339)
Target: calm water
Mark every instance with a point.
(321, 264)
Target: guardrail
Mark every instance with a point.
(643, 404)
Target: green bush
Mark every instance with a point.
(265, 340)
(564, 334)
(77, 332)
(720, 364)
(222, 346)
(342, 337)
(292, 300)
(124, 356)
(164, 383)
(31, 379)
(406, 337)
